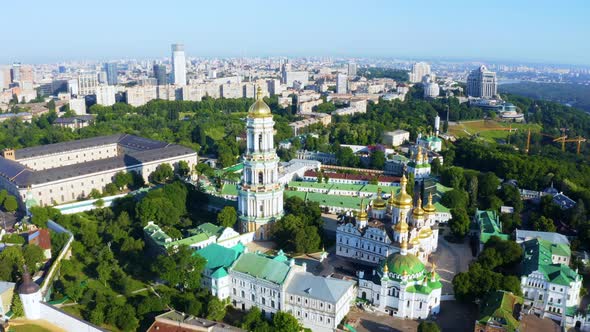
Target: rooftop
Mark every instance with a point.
(262, 267)
(538, 257)
(319, 288)
(501, 308)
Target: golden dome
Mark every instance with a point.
(425, 232)
(402, 225)
(403, 199)
(430, 208)
(419, 155)
(362, 214)
(385, 268)
(415, 241)
(418, 212)
(259, 109)
(379, 203)
(391, 199)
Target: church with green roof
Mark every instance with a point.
(401, 286)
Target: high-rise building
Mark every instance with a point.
(4, 77)
(352, 69)
(111, 70)
(482, 83)
(87, 83)
(178, 65)
(341, 83)
(15, 72)
(105, 95)
(260, 195)
(419, 70)
(160, 74)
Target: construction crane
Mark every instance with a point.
(564, 139)
(553, 138)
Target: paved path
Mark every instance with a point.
(450, 259)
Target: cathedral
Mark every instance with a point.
(387, 224)
(402, 287)
(260, 195)
(419, 165)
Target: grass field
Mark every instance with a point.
(28, 328)
(489, 129)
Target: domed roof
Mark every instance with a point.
(404, 264)
(402, 225)
(425, 232)
(362, 214)
(259, 109)
(430, 208)
(28, 286)
(418, 212)
(403, 199)
(379, 203)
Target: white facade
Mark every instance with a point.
(341, 83)
(260, 196)
(87, 83)
(178, 65)
(396, 138)
(431, 88)
(78, 105)
(105, 95)
(419, 70)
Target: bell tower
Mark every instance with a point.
(260, 195)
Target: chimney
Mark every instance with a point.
(8, 154)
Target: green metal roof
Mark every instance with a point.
(398, 263)
(537, 257)
(500, 308)
(210, 229)
(229, 189)
(262, 267)
(219, 256)
(489, 225)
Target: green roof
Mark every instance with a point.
(262, 267)
(209, 228)
(537, 257)
(229, 189)
(502, 308)
(398, 263)
(235, 168)
(219, 273)
(219, 256)
(489, 225)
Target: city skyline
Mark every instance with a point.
(536, 32)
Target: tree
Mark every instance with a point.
(94, 194)
(411, 184)
(453, 177)
(455, 199)
(215, 309)
(472, 186)
(544, 224)
(227, 217)
(111, 189)
(204, 169)
(3, 195)
(428, 326)
(43, 214)
(10, 203)
(285, 322)
(488, 184)
(378, 159)
(162, 174)
(307, 239)
(435, 166)
(253, 321)
(179, 267)
(33, 255)
(123, 179)
(184, 169)
(459, 223)
(16, 306)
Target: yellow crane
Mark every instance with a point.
(564, 139)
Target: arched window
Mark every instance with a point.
(260, 178)
(260, 142)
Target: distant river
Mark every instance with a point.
(507, 81)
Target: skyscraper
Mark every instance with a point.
(111, 70)
(482, 83)
(260, 195)
(160, 74)
(178, 65)
(419, 70)
(352, 69)
(341, 83)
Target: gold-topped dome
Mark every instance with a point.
(379, 203)
(418, 212)
(419, 158)
(403, 199)
(425, 232)
(362, 214)
(415, 241)
(430, 208)
(259, 109)
(402, 225)
(391, 199)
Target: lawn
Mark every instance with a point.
(488, 129)
(28, 328)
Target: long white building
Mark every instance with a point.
(276, 283)
(64, 172)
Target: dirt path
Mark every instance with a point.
(39, 322)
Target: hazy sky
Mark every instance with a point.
(518, 30)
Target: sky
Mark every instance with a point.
(41, 31)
